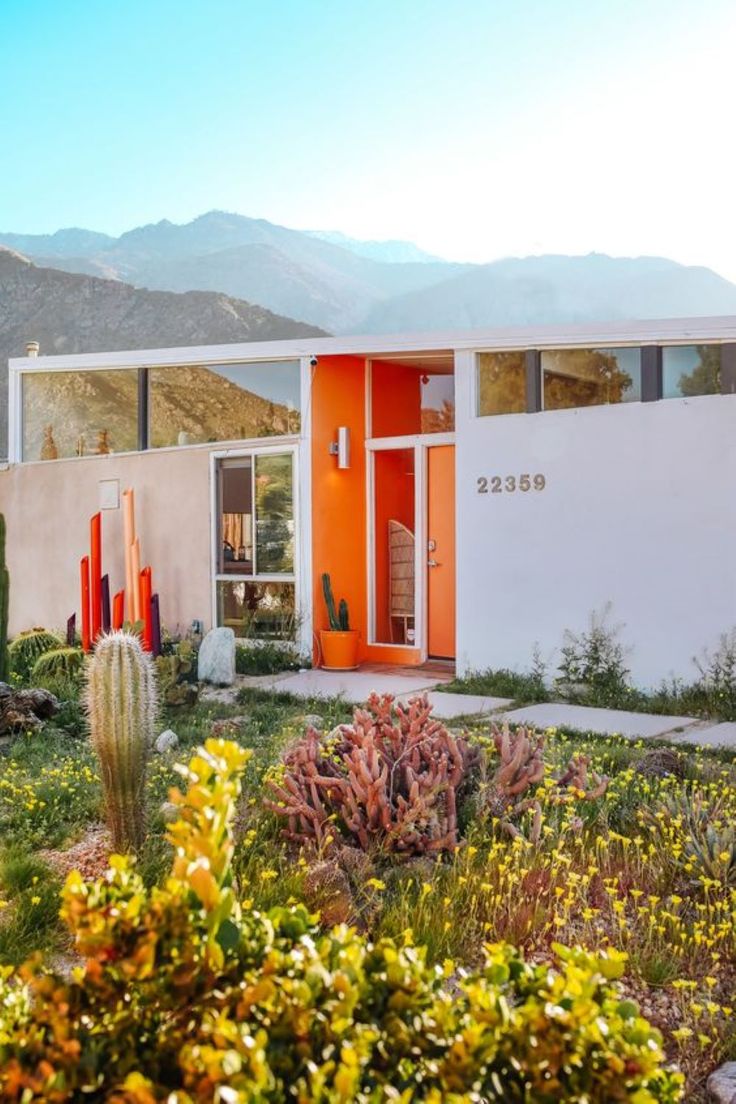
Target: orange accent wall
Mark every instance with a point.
(339, 525)
(396, 400)
(394, 490)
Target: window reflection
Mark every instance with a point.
(258, 610)
(236, 517)
(79, 413)
(689, 370)
(225, 402)
(501, 383)
(590, 377)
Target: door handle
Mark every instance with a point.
(433, 563)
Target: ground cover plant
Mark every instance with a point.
(276, 1009)
(593, 670)
(644, 868)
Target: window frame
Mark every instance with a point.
(217, 459)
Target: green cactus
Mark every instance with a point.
(339, 621)
(59, 664)
(121, 709)
(174, 672)
(4, 601)
(27, 647)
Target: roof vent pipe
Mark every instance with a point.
(32, 348)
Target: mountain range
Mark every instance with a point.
(344, 285)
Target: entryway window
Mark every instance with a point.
(255, 578)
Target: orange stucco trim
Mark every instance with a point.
(339, 523)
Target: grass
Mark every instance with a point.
(607, 872)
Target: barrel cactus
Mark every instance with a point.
(60, 664)
(121, 708)
(27, 647)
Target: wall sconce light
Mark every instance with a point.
(341, 447)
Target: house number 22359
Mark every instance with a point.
(497, 484)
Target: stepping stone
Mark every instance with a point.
(447, 706)
(353, 686)
(713, 735)
(602, 722)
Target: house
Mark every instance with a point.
(471, 494)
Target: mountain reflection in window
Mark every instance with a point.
(197, 404)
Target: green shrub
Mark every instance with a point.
(267, 658)
(182, 993)
(60, 665)
(27, 647)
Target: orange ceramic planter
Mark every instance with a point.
(339, 650)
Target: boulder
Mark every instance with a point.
(313, 720)
(216, 660)
(229, 728)
(23, 710)
(169, 811)
(166, 741)
(721, 1084)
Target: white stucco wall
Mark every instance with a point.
(639, 510)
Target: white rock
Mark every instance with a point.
(313, 720)
(167, 740)
(169, 811)
(721, 1085)
(216, 663)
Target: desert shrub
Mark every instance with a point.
(182, 993)
(267, 658)
(176, 673)
(717, 680)
(593, 666)
(392, 780)
(27, 647)
(58, 666)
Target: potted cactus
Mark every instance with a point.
(339, 643)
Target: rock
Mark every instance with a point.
(228, 728)
(216, 660)
(223, 695)
(327, 891)
(313, 720)
(24, 710)
(169, 811)
(721, 1084)
(166, 741)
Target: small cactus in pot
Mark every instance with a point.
(339, 643)
(122, 706)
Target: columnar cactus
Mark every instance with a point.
(121, 708)
(4, 600)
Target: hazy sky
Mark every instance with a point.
(477, 128)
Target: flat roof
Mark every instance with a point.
(647, 331)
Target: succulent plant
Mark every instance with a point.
(28, 647)
(173, 671)
(391, 780)
(121, 709)
(58, 664)
(4, 603)
(339, 619)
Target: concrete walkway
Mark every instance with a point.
(355, 687)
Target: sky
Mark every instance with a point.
(477, 128)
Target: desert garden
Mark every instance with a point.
(242, 896)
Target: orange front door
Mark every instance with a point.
(441, 551)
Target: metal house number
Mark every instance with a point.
(498, 484)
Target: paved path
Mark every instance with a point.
(355, 686)
(606, 722)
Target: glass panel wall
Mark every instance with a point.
(223, 402)
(79, 413)
(256, 531)
(407, 400)
(274, 494)
(257, 610)
(501, 383)
(691, 370)
(590, 377)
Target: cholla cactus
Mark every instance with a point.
(121, 708)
